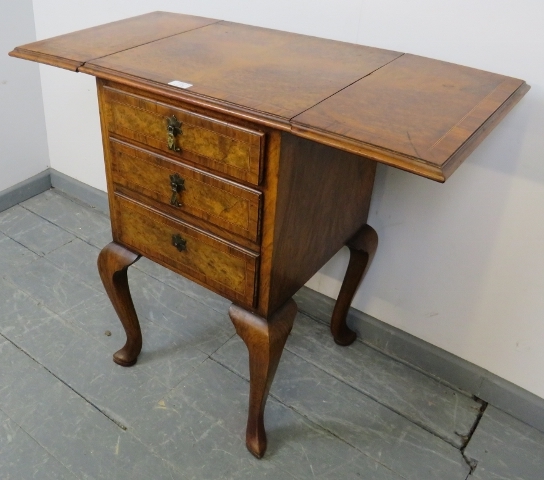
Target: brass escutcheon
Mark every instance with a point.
(177, 184)
(178, 242)
(173, 129)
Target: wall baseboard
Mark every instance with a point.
(428, 359)
(24, 190)
(80, 191)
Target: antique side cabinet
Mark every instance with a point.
(243, 158)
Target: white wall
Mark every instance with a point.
(460, 265)
(23, 140)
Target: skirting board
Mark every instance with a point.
(430, 360)
(80, 191)
(24, 190)
(51, 178)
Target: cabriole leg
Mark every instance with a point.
(265, 340)
(113, 262)
(362, 247)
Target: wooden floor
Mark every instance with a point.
(68, 412)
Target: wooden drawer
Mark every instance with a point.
(221, 202)
(217, 145)
(210, 261)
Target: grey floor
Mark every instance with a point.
(67, 411)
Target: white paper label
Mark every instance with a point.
(177, 83)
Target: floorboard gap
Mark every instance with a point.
(397, 412)
(96, 407)
(471, 462)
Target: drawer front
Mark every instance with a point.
(216, 264)
(220, 146)
(183, 189)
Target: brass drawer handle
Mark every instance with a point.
(177, 184)
(178, 242)
(173, 128)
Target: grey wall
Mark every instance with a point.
(23, 139)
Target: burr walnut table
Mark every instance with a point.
(243, 158)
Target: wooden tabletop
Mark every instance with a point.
(415, 113)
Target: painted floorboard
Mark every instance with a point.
(372, 428)
(438, 408)
(506, 448)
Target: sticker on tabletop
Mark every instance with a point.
(180, 84)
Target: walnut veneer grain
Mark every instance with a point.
(414, 113)
(422, 115)
(231, 206)
(208, 260)
(72, 50)
(220, 146)
(275, 72)
(323, 198)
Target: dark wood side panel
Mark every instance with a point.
(323, 198)
(269, 188)
(74, 49)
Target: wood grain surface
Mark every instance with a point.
(113, 262)
(422, 115)
(323, 198)
(275, 72)
(72, 50)
(229, 205)
(419, 109)
(210, 261)
(221, 146)
(265, 339)
(362, 248)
